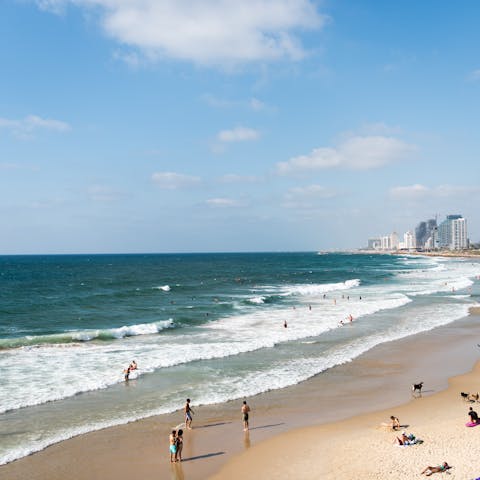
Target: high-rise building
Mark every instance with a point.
(408, 240)
(423, 231)
(374, 243)
(452, 233)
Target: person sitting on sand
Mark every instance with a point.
(405, 439)
(440, 468)
(395, 422)
(473, 415)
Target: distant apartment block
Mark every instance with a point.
(452, 233)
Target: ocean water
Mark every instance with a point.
(204, 326)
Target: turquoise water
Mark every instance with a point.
(205, 326)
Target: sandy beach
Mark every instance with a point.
(361, 448)
(350, 448)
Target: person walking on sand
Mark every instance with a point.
(188, 415)
(173, 446)
(245, 412)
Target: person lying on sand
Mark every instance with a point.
(440, 468)
(409, 439)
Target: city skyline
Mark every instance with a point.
(450, 234)
(220, 126)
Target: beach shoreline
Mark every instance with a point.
(139, 448)
(364, 447)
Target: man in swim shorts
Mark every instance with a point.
(245, 412)
(188, 415)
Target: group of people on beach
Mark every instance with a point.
(410, 439)
(176, 436)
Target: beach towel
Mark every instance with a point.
(471, 424)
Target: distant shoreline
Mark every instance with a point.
(441, 253)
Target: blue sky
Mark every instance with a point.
(215, 125)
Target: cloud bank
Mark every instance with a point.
(208, 32)
(357, 153)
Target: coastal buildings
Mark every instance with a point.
(423, 231)
(450, 234)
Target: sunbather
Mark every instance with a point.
(440, 468)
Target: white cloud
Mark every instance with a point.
(475, 75)
(173, 181)
(420, 192)
(222, 202)
(358, 153)
(217, 102)
(26, 127)
(238, 134)
(210, 32)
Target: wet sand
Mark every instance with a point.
(377, 380)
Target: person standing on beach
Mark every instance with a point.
(179, 446)
(188, 415)
(173, 446)
(245, 412)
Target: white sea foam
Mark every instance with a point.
(97, 365)
(164, 288)
(319, 288)
(257, 300)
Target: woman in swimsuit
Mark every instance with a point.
(440, 468)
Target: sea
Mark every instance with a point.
(210, 327)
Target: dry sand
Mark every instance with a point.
(360, 448)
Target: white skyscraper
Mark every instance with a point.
(452, 233)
